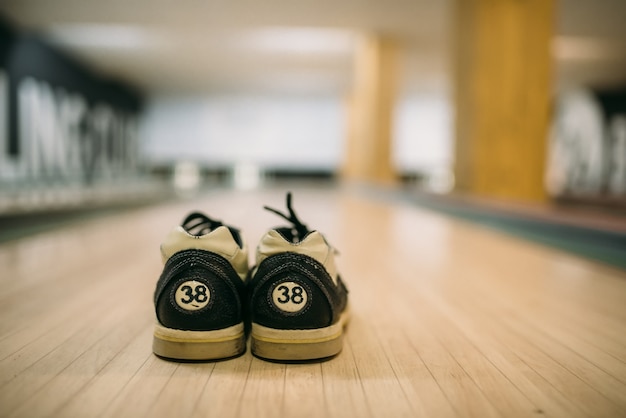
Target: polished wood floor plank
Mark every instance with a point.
(97, 394)
(423, 392)
(143, 390)
(304, 388)
(99, 297)
(264, 392)
(81, 355)
(227, 382)
(576, 390)
(548, 400)
(71, 380)
(343, 389)
(382, 388)
(492, 383)
(458, 386)
(179, 397)
(449, 319)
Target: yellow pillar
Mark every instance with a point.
(370, 113)
(503, 75)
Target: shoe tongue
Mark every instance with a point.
(199, 224)
(274, 242)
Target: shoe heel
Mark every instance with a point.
(295, 350)
(299, 344)
(199, 345)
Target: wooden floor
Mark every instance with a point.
(448, 319)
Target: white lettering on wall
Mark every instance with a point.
(4, 126)
(617, 180)
(577, 151)
(62, 138)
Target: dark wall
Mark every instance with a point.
(6, 40)
(613, 102)
(25, 55)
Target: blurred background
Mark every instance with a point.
(103, 103)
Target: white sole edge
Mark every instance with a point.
(298, 344)
(199, 345)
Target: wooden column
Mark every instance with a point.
(503, 74)
(370, 113)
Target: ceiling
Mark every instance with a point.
(294, 46)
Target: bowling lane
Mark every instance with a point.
(448, 319)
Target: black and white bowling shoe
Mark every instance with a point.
(298, 302)
(200, 296)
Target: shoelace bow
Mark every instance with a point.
(300, 230)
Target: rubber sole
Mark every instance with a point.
(298, 344)
(199, 345)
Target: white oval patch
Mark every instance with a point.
(192, 295)
(289, 297)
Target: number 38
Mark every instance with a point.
(294, 296)
(290, 297)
